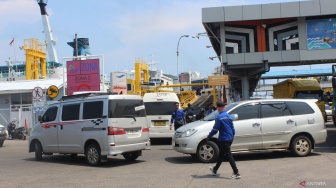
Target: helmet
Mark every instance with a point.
(14, 120)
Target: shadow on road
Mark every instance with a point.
(81, 161)
(248, 156)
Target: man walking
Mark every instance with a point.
(224, 125)
(178, 117)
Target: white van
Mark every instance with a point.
(159, 107)
(94, 124)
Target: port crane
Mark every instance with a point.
(50, 42)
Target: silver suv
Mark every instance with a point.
(275, 124)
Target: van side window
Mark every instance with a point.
(93, 110)
(124, 107)
(50, 114)
(70, 112)
(274, 110)
(247, 112)
(299, 108)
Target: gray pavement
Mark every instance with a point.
(163, 167)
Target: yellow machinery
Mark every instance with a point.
(141, 74)
(34, 55)
(188, 96)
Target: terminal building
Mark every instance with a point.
(250, 39)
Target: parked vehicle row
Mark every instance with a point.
(98, 125)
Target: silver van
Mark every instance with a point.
(274, 124)
(94, 124)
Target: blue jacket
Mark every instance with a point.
(223, 125)
(177, 115)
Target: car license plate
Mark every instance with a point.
(132, 132)
(159, 123)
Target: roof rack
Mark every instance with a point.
(86, 94)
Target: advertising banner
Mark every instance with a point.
(119, 83)
(83, 75)
(321, 34)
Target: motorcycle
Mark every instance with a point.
(190, 117)
(16, 133)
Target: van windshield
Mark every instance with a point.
(120, 108)
(159, 108)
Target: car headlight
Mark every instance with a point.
(188, 132)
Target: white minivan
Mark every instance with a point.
(159, 107)
(94, 124)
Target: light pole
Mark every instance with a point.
(177, 54)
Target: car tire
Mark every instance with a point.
(301, 146)
(131, 156)
(38, 151)
(333, 120)
(207, 152)
(93, 155)
(1, 143)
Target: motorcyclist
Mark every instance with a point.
(189, 113)
(11, 128)
(201, 114)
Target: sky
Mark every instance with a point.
(121, 31)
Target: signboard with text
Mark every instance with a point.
(119, 82)
(218, 80)
(83, 75)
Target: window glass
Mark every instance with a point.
(93, 110)
(26, 98)
(299, 108)
(126, 107)
(15, 99)
(159, 108)
(129, 87)
(271, 110)
(70, 112)
(247, 112)
(50, 114)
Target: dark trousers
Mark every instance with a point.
(225, 150)
(176, 126)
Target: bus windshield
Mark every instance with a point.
(159, 108)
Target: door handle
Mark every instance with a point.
(255, 125)
(61, 127)
(290, 121)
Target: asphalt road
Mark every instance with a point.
(163, 167)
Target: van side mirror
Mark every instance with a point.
(234, 117)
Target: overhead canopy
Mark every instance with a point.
(26, 86)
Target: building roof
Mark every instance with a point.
(26, 86)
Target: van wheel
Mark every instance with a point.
(301, 146)
(93, 155)
(38, 151)
(207, 152)
(131, 156)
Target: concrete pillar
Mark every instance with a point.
(245, 88)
